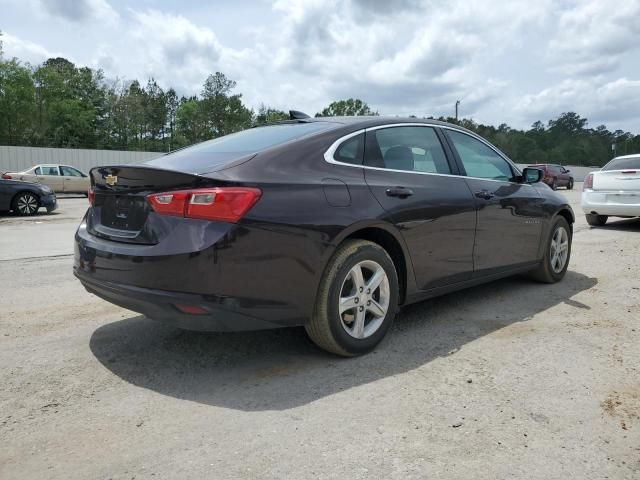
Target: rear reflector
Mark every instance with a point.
(91, 196)
(226, 204)
(588, 181)
(6, 177)
(191, 309)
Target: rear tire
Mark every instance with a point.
(570, 184)
(554, 184)
(596, 220)
(350, 319)
(557, 253)
(25, 203)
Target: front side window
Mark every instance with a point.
(478, 159)
(411, 149)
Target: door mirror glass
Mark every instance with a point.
(531, 175)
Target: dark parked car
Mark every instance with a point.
(555, 175)
(329, 223)
(25, 198)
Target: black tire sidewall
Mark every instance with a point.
(352, 345)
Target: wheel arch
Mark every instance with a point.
(567, 214)
(25, 190)
(385, 236)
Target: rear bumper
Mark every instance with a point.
(246, 278)
(608, 203)
(222, 315)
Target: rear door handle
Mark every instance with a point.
(401, 192)
(485, 194)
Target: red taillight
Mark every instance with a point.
(191, 309)
(588, 181)
(226, 204)
(6, 176)
(91, 196)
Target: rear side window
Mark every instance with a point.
(48, 171)
(220, 151)
(412, 149)
(351, 150)
(632, 163)
(478, 159)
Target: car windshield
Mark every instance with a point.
(220, 151)
(623, 164)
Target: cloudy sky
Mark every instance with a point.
(506, 61)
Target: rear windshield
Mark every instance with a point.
(632, 163)
(215, 153)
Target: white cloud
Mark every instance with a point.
(81, 10)
(594, 35)
(610, 101)
(512, 62)
(23, 49)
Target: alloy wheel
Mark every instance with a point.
(364, 299)
(559, 249)
(27, 204)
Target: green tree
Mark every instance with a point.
(346, 108)
(17, 103)
(269, 115)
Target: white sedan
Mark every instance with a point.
(59, 178)
(613, 191)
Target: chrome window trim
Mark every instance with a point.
(329, 154)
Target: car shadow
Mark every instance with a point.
(625, 225)
(282, 369)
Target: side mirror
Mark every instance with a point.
(531, 175)
(567, 171)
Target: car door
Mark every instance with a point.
(408, 172)
(509, 213)
(73, 180)
(49, 175)
(565, 175)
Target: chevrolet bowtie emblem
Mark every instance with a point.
(111, 180)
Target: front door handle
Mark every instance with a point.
(485, 194)
(401, 192)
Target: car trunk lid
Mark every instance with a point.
(614, 180)
(120, 210)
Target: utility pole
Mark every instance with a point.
(457, 103)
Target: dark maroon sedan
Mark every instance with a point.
(330, 223)
(555, 175)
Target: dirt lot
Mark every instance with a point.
(508, 380)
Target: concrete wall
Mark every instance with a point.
(17, 159)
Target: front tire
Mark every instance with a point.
(26, 203)
(570, 184)
(596, 220)
(557, 253)
(357, 299)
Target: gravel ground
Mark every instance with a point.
(508, 380)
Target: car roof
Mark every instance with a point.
(365, 121)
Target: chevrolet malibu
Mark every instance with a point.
(330, 223)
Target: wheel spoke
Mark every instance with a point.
(347, 303)
(376, 279)
(358, 278)
(376, 309)
(358, 323)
